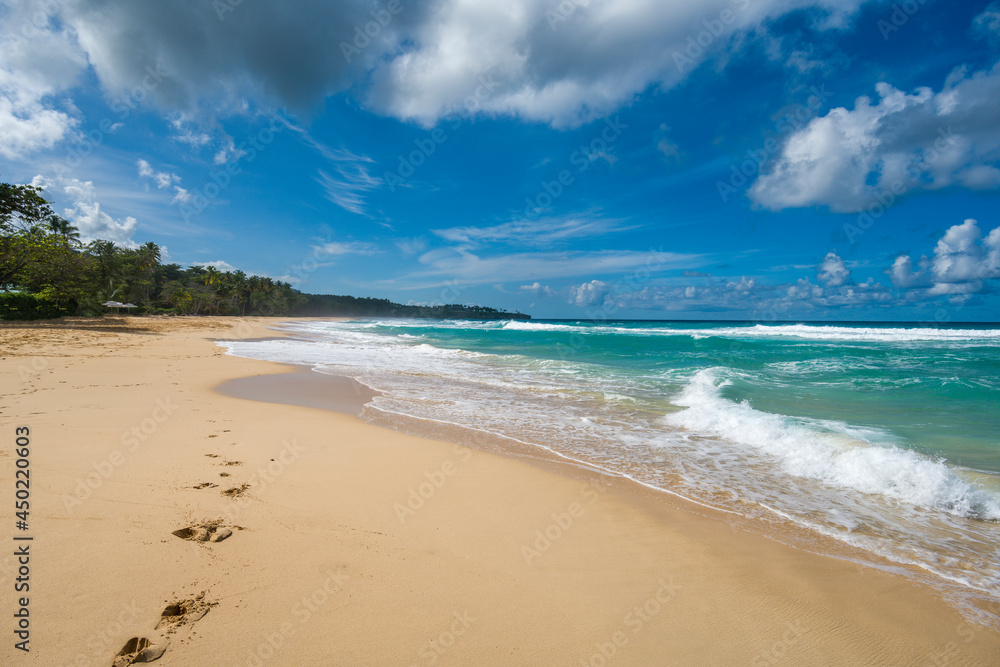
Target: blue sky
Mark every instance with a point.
(743, 159)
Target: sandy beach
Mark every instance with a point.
(348, 544)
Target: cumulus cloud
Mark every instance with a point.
(751, 296)
(218, 264)
(962, 261)
(38, 61)
(161, 179)
(539, 289)
(268, 52)
(181, 196)
(847, 160)
(902, 274)
(589, 294)
(520, 58)
(536, 68)
(84, 211)
(833, 272)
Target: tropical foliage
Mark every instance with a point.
(45, 271)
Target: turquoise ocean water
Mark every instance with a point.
(883, 437)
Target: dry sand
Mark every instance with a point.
(355, 545)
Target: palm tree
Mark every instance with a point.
(63, 228)
(240, 290)
(109, 264)
(147, 259)
(212, 275)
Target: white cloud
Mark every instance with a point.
(84, 211)
(38, 61)
(187, 135)
(182, 196)
(541, 232)
(337, 248)
(347, 190)
(517, 58)
(411, 246)
(748, 295)
(532, 65)
(353, 180)
(833, 272)
(229, 152)
(961, 264)
(987, 24)
(538, 289)
(902, 274)
(848, 160)
(589, 294)
(162, 179)
(219, 265)
(460, 264)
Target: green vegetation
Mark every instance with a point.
(45, 271)
(352, 306)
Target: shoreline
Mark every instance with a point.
(356, 544)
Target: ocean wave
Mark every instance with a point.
(797, 331)
(519, 325)
(831, 452)
(878, 334)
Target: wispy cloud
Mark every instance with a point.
(338, 248)
(458, 264)
(535, 233)
(347, 186)
(411, 246)
(347, 190)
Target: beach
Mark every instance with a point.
(353, 544)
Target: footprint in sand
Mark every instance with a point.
(138, 650)
(184, 612)
(236, 491)
(206, 532)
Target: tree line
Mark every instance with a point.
(46, 271)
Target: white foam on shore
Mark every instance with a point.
(830, 452)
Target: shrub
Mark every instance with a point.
(22, 306)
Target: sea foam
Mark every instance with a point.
(830, 452)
